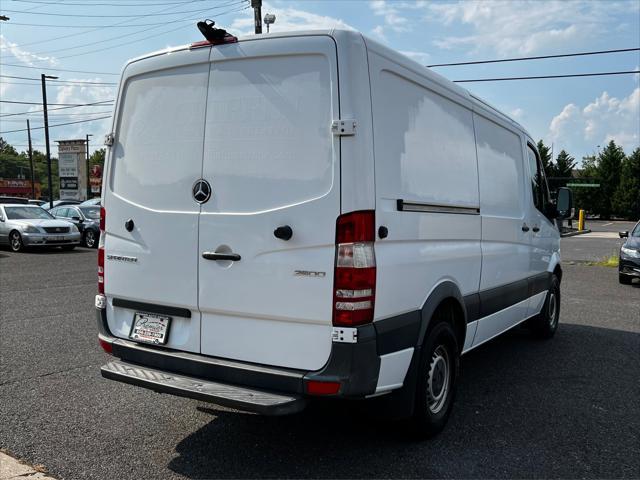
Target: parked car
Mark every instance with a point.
(59, 203)
(629, 264)
(321, 236)
(32, 226)
(85, 217)
(36, 202)
(92, 201)
(14, 200)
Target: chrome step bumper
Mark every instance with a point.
(242, 398)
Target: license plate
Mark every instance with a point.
(150, 328)
(58, 238)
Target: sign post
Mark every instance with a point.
(72, 169)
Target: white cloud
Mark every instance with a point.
(391, 16)
(378, 31)
(24, 56)
(605, 118)
(517, 113)
(526, 27)
(289, 19)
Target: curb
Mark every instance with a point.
(573, 234)
(13, 469)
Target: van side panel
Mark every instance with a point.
(505, 246)
(425, 156)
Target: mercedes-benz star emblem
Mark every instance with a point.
(201, 191)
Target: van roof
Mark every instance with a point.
(371, 44)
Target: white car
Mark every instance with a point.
(23, 225)
(312, 214)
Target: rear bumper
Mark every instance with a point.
(259, 401)
(355, 366)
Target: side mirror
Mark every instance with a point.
(75, 219)
(564, 202)
(624, 234)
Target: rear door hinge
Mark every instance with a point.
(343, 127)
(109, 139)
(344, 335)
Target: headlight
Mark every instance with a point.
(30, 229)
(74, 229)
(630, 253)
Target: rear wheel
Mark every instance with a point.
(624, 279)
(545, 324)
(437, 375)
(90, 239)
(15, 241)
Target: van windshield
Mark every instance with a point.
(27, 213)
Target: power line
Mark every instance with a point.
(145, 38)
(57, 86)
(143, 15)
(21, 120)
(94, 29)
(539, 57)
(101, 112)
(81, 82)
(548, 76)
(57, 125)
(57, 104)
(56, 69)
(85, 4)
(83, 26)
(105, 104)
(118, 37)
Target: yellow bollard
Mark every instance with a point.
(581, 220)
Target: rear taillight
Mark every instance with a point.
(103, 215)
(106, 346)
(354, 288)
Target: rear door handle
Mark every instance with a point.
(234, 257)
(536, 229)
(525, 227)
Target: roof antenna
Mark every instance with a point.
(214, 35)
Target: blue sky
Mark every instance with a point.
(576, 114)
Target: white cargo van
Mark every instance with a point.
(312, 214)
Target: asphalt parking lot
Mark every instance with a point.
(526, 408)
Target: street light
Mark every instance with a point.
(44, 77)
(87, 176)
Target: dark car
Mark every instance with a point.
(629, 266)
(85, 217)
(59, 203)
(13, 200)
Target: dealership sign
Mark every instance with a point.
(72, 169)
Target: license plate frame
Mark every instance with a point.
(154, 330)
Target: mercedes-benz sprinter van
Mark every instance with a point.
(312, 214)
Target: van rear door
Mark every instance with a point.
(271, 161)
(154, 162)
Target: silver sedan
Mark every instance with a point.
(31, 226)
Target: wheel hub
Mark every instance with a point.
(438, 380)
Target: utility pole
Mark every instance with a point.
(33, 175)
(44, 77)
(88, 184)
(257, 15)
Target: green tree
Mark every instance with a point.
(545, 158)
(626, 200)
(97, 158)
(609, 165)
(565, 164)
(588, 199)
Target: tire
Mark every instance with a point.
(625, 280)
(90, 239)
(437, 377)
(545, 324)
(15, 241)
(68, 248)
